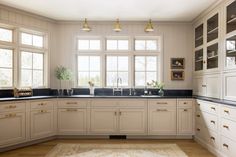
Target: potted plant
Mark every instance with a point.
(62, 74)
(157, 85)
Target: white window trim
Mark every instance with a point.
(88, 38)
(157, 38)
(118, 38)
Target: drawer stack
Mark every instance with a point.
(228, 130)
(207, 123)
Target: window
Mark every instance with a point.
(6, 67)
(89, 70)
(145, 69)
(117, 67)
(117, 44)
(32, 40)
(145, 45)
(89, 44)
(32, 71)
(5, 35)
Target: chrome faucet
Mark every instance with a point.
(118, 89)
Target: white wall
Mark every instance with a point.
(177, 42)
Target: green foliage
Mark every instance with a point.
(63, 73)
(156, 84)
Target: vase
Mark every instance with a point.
(161, 92)
(91, 90)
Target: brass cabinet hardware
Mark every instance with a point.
(185, 103)
(120, 113)
(185, 110)
(203, 85)
(115, 113)
(226, 111)
(198, 104)
(11, 106)
(161, 103)
(71, 103)
(225, 126)
(198, 115)
(42, 111)
(42, 104)
(212, 121)
(10, 115)
(225, 145)
(71, 109)
(213, 108)
(162, 110)
(213, 138)
(198, 129)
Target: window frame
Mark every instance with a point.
(117, 38)
(158, 40)
(88, 38)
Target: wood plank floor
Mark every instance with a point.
(191, 148)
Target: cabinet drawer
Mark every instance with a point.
(228, 112)
(162, 103)
(210, 120)
(185, 103)
(132, 103)
(212, 139)
(228, 147)
(72, 103)
(35, 105)
(207, 107)
(104, 103)
(228, 128)
(14, 106)
(199, 118)
(200, 131)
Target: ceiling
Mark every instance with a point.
(125, 10)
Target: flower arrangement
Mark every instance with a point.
(91, 84)
(157, 85)
(91, 89)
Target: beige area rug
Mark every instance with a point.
(116, 150)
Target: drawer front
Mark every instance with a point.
(207, 107)
(36, 105)
(185, 103)
(199, 118)
(228, 112)
(228, 128)
(14, 106)
(72, 103)
(162, 103)
(212, 139)
(200, 132)
(210, 120)
(104, 103)
(228, 147)
(133, 103)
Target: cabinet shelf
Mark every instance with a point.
(233, 20)
(213, 57)
(213, 31)
(199, 38)
(199, 60)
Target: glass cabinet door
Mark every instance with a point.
(199, 36)
(212, 28)
(212, 56)
(231, 51)
(231, 17)
(199, 60)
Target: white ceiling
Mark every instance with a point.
(133, 10)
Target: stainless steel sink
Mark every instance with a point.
(153, 96)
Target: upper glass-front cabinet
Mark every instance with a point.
(212, 28)
(199, 60)
(231, 17)
(199, 36)
(231, 51)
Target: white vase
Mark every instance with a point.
(91, 90)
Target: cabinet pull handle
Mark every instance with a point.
(226, 111)
(9, 115)
(162, 110)
(198, 104)
(161, 103)
(185, 110)
(213, 138)
(70, 110)
(42, 104)
(198, 115)
(42, 111)
(225, 126)
(120, 113)
(198, 129)
(71, 103)
(213, 108)
(11, 106)
(212, 121)
(115, 113)
(203, 85)
(225, 145)
(185, 103)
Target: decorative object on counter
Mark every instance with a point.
(63, 74)
(149, 27)
(91, 87)
(117, 26)
(177, 63)
(22, 92)
(177, 75)
(157, 85)
(85, 26)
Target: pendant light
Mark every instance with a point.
(117, 26)
(86, 26)
(149, 26)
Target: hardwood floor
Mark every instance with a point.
(191, 148)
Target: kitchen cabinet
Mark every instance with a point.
(162, 117)
(185, 117)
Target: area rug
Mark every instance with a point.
(116, 150)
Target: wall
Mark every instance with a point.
(177, 42)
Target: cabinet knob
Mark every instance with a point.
(185, 110)
(204, 62)
(120, 113)
(185, 103)
(226, 111)
(198, 115)
(115, 113)
(198, 129)
(225, 145)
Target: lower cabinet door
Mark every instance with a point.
(103, 121)
(42, 123)
(12, 128)
(132, 121)
(185, 121)
(162, 121)
(72, 121)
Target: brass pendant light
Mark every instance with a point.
(86, 26)
(117, 26)
(149, 26)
